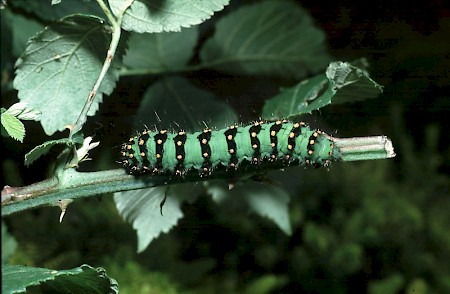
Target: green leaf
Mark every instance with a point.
(389, 285)
(161, 52)
(83, 279)
(22, 30)
(276, 38)
(347, 259)
(342, 83)
(9, 244)
(59, 68)
(263, 199)
(148, 16)
(175, 100)
(266, 284)
(13, 126)
(142, 209)
(45, 10)
(23, 112)
(42, 149)
(320, 238)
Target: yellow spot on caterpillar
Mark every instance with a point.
(253, 134)
(143, 154)
(129, 147)
(157, 155)
(159, 142)
(179, 157)
(291, 135)
(141, 142)
(278, 122)
(162, 132)
(205, 154)
(179, 143)
(296, 125)
(310, 152)
(254, 146)
(289, 147)
(316, 134)
(231, 151)
(288, 156)
(311, 142)
(230, 137)
(273, 133)
(130, 155)
(204, 141)
(272, 145)
(181, 133)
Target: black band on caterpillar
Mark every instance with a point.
(261, 145)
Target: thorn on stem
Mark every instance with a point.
(63, 203)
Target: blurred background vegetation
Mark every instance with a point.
(375, 227)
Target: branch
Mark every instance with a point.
(69, 184)
(116, 32)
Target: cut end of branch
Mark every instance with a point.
(364, 148)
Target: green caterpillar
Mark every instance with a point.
(258, 146)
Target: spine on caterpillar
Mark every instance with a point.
(257, 146)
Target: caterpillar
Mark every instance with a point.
(258, 146)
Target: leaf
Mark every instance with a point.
(271, 202)
(268, 283)
(263, 199)
(83, 279)
(142, 209)
(13, 126)
(351, 83)
(9, 244)
(342, 83)
(59, 68)
(23, 112)
(148, 16)
(43, 149)
(175, 100)
(22, 30)
(276, 38)
(389, 285)
(161, 52)
(46, 11)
